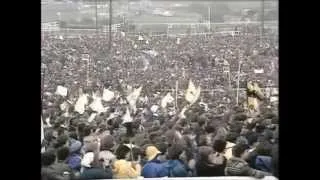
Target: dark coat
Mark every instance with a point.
(238, 167)
(208, 169)
(57, 171)
(263, 163)
(96, 173)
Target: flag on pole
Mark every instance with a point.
(107, 95)
(42, 136)
(127, 117)
(258, 71)
(192, 93)
(81, 103)
(140, 38)
(133, 97)
(182, 115)
(92, 117)
(62, 91)
(97, 106)
(167, 99)
(178, 40)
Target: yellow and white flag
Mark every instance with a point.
(42, 136)
(192, 93)
(127, 117)
(97, 106)
(133, 97)
(81, 103)
(167, 99)
(107, 95)
(182, 115)
(62, 91)
(92, 117)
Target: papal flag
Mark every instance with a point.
(97, 106)
(133, 97)
(81, 103)
(166, 99)
(107, 95)
(127, 117)
(42, 136)
(192, 93)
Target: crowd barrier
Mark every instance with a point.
(208, 178)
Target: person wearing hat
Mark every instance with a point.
(74, 159)
(154, 168)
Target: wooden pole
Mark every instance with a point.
(238, 82)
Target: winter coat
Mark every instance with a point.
(57, 171)
(239, 167)
(263, 163)
(206, 168)
(154, 169)
(124, 169)
(96, 173)
(74, 162)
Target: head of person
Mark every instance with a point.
(75, 147)
(107, 143)
(122, 151)
(219, 145)
(204, 152)
(151, 152)
(175, 151)
(62, 153)
(48, 158)
(240, 151)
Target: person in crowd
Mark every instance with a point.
(176, 167)
(237, 166)
(122, 168)
(154, 168)
(106, 153)
(74, 159)
(60, 169)
(92, 168)
(47, 159)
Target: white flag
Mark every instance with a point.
(258, 71)
(167, 99)
(178, 40)
(127, 118)
(192, 93)
(64, 106)
(92, 116)
(133, 97)
(48, 122)
(62, 91)
(81, 103)
(182, 115)
(107, 95)
(273, 99)
(147, 42)
(140, 38)
(97, 106)
(154, 108)
(123, 34)
(42, 136)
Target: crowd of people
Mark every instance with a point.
(214, 136)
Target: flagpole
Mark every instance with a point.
(176, 99)
(238, 82)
